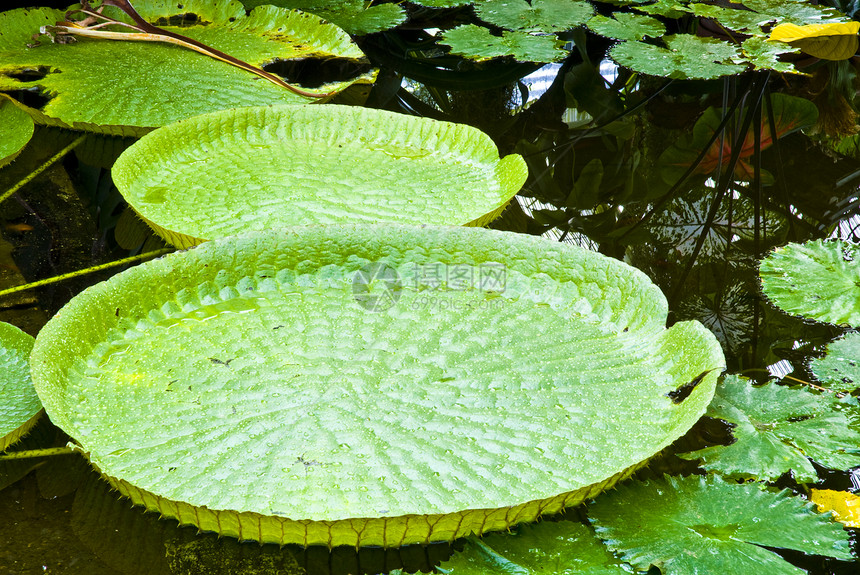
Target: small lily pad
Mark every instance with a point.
(20, 408)
(477, 43)
(547, 548)
(819, 280)
(777, 429)
(840, 368)
(538, 16)
(371, 384)
(353, 16)
(694, 525)
(259, 168)
(685, 57)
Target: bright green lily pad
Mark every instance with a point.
(686, 57)
(259, 168)
(693, 525)
(539, 16)
(20, 408)
(16, 129)
(354, 16)
(371, 384)
(819, 280)
(840, 368)
(130, 87)
(778, 429)
(627, 26)
(547, 548)
(477, 43)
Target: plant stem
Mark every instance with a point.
(32, 175)
(86, 271)
(30, 453)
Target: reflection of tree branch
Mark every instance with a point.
(91, 26)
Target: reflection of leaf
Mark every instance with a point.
(818, 280)
(97, 84)
(729, 315)
(829, 41)
(686, 57)
(695, 525)
(354, 16)
(539, 16)
(840, 368)
(790, 114)
(683, 221)
(776, 429)
(627, 26)
(547, 548)
(478, 43)
(844, 505)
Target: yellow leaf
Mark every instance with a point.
(831, 41)
(844, 505)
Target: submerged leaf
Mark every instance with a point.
(693, 525)
(776, 429)
(479, 44)
(20, 408)
(261, 168)
(818, 279)
(101, 85)
(547, 548)
(16, 129)
(840, 368)
(371, 385)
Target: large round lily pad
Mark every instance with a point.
(265, 167)
(20, 408)
(372, 384)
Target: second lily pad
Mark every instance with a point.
(260, 168)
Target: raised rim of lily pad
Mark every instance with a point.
(257, 168)
(318, 385)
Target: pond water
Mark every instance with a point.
(612, 162)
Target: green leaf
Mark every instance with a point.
(626, 26)
(358, 384)
(20, 408)
(259, 168)
(763, 55)
(687, 57)
(354, 16)
(102, 85)
(539, 16)
(442, 3)
(693, 525)
(840, 368)
(776, 428)
(546, 548)
(818, 279)
(16, 129)
(478, 43)
(667, 8)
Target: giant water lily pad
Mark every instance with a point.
(20, 408)
(130, 87)
(372, 384)
(259, 168)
